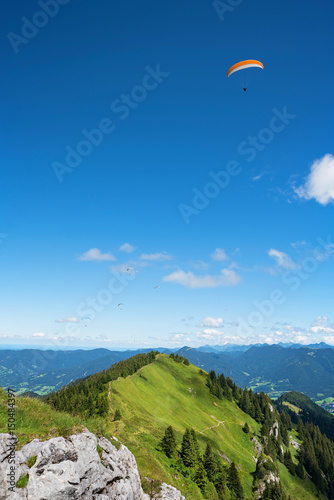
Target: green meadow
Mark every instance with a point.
(169, 393)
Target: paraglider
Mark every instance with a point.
(120, 304)
(248, 63)
(85, 318)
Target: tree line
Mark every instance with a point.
(205, 470)
(88, 397)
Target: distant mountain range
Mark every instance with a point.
(275, 369)
(44, 371)
(239, 349)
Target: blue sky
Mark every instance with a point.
(117, 121)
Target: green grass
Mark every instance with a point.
(301, 489)
(35, 419)
(292, 407)
(23, 481)
(326, 400)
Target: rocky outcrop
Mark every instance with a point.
(169, 493)
(80, 467)
(294, 443)
(274, 429)
(258, 449)
(265, 474)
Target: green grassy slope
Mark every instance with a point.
(35, 419)
(175, 394)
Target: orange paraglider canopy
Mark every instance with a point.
(249, 63)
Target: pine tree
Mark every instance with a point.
(168, 442)
(188, 451)
(288, 462)
(209, 463)
(234, 483)
(300, 471)
(258, 415)
(285, 436)
(201, 478)
(196, 445)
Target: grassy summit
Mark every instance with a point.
(168, 393)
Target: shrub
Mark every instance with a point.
(117, 415)
(246, 428)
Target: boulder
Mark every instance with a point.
(73, 469)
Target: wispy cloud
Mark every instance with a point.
(319, 184)
(127, 248)
(227, 277)
(157, 257)
(298, 244)
(258, 177)
(219, 255)
(282, 259)
(67, 320)
(96, 255)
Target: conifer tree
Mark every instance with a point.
(288, 462)
(258, 415)
(201, 478)
(300, 471)
(188, 451)
(234, 483)
(209, 463)
(196, 445)
(285, 436)
(168, 442)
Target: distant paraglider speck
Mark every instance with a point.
(85, 319)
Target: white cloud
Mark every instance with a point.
(67, 320)
(320, 320)
(219, 255)
(159, 257)
(227, 277)
(319, 185)
(301, 338)
(282, 259)
(322, 329)
(215, 322)
(209, 334)
(212, 331)
(298, 244)
(127, 248)
(95, 254)
(39, 334)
